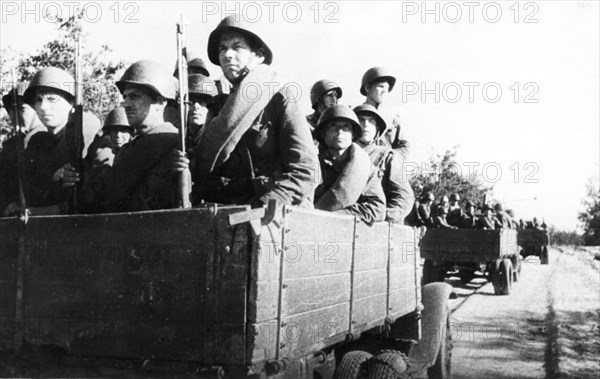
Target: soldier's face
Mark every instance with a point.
(338, 135)
(470, 210)
(198, 111)
(368, 124)
(235, 55)
(52, 108)
(119, 136)
(27, 116)
(137, 102)
(328, 100)
(377, 91)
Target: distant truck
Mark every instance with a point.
(219, 292)
(465, 251)
(534, 241)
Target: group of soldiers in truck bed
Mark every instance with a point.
(241, 149)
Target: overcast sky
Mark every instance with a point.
(514, 85)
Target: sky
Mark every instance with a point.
(514, 85)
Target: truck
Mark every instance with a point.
(534, 242)
(218, 292)
(465, 251)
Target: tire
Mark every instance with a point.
(502, 277)
(544, 255)
(351, 364)
(466, 276)
(388, 364)
(442, 368)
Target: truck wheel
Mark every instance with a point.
(502, 276)
(388, 364)
(351, 364)
(544, 255)
(442, 368)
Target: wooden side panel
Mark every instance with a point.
(9, 237)
(464, 245)
(532, 237)
(405, 280)
(508, 242)
(165, 284)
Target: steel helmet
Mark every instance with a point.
(376, 73)
(498, 207)
(8, 99)
(444, 199)
(51, 78)
(469, 204)
(195, 65)
(368, 108)
(320, 88)
(235, 23)
(337, 112)
(427, 196)
(454, 197)
(149, 74)
(201, 85)
(116, 117)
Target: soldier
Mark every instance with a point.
(445, 202)
(487, 220)
(503, 218)
(118, 129)
(398, 192)
(252, 151)
(9, 168)
(350, 181)
(455, 212)
(195, 65)
(202, 90)
(424, 209)
(324, 94)
(375, 85)
(51, 91)
(439, 220)
(469, 220)
(141, 177)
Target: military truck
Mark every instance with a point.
(464, 251)
(534, 241)
(218, 292)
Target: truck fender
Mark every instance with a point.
(435, 312)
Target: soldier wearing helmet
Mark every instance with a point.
(195, 65)
(258, 145)
(455, 212)
(141, 177)
(52, 94)
(323, 94)
(503, 218)
(487, 220)
(424, 209)
(469, 220)
(439, 220)
(398, 192)
(376, 83)
(350, 181)
(30, 124)
(117, 127)
(202, 90)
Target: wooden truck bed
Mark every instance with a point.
(184, 285)
(532, 237)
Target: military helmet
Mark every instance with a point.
(510, 212)
(454, 197)
(469, 204)
(235, 23)
(9, 99)
(116, 117)
(149, 74)
(486, 207)
(376, 73)
(444, 199)
(52, 78)
(368, 108)
(320, 88)
(201, 85)
(498, 207)
(195, 65)
(337, 112)
(427, 196)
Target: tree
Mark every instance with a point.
(590, 217)
(559, 237)
(442, 175)
(99, 72)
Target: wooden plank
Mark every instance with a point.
(508, 243)
(467, 245)
(369, 283)
(314, 259)
(369, 311)
(306, 294)
(404, 246)
(402, 301)
(402, 277)
(532, 237)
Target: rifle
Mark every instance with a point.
(184, 185)
(19, 135)
(75, 131)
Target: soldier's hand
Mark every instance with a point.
(179, 161)
(70, 176)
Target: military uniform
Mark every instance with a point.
(351, 186)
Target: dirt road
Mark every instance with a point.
(548, 327)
